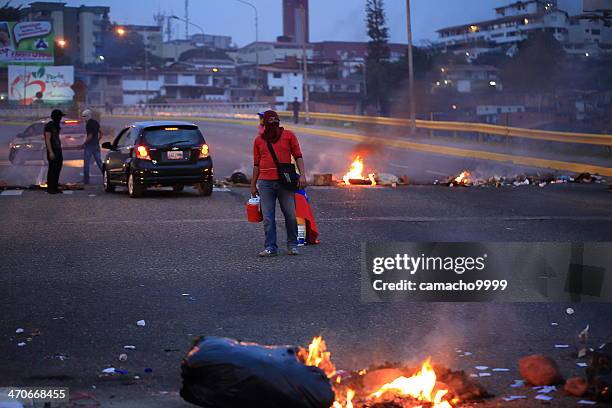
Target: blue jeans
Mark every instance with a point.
(88, 153)
(269, 192)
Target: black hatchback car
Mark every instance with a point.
(158, 153)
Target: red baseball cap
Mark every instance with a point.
(270, 116)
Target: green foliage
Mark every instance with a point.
(537, 65)
(376, 20)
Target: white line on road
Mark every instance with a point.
(41, 174)
(7, 193)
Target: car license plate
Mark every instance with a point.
(175, 155)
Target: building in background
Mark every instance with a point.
(295, 16)
(152, 36)
(80, 29)
(514, 23)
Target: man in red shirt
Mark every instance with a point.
(266, 184)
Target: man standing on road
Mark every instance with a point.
(55, 157)
(266, 182)
(295, 105)
(91, 147)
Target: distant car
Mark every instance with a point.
(158, 153)
(30, 144)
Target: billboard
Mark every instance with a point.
(28, 84)
(597, 5)
(29, 42)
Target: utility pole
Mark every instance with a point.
(186, 19)
(305, 66)
(146, 45)
(410, 71)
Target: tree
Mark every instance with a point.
(126, 49)
(537, 66)
(10, 13)
(378, 55)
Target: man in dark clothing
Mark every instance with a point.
(295, 105)
(54, 151)
(91, 147)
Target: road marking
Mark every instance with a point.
(221, 190)
(39, 178)
(7, 193)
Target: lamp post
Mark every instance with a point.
(305, 63)
(188, 22)
(121, 32)
(410, 70)
(256, 39)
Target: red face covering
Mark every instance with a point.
(272, 132)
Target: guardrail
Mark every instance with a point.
(247, 110)
(546, 135)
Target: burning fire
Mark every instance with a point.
(421, 386)
(355, 173)
(463, 178)
(318, 356)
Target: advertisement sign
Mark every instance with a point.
(29, 42)
(28, 84)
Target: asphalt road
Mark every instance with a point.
(83, 268)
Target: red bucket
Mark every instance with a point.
(253, 210)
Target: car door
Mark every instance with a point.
(115, 158)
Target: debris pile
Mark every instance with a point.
(468, 179)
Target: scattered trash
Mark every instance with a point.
(583, 342)
(481, 367)
(501, 370)
(517, 384)
(148, 370)
(538, 369)
(554, 324)
(137, 377)
(185, 294)
(224, 372)
(129, 347)
(484, 374)
(546, 389)
(109, 370)
(582, 364)
(561, 346)
(543, 397)
(586, 402)
(576, 386)
(599, 373)
(141, 323)
(19, 330)
(326, 179)
(514, 397)
(59, 356)
(569, 311)
(123, 357)
(386, 179)
(21, 344)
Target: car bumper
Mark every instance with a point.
(149, 174)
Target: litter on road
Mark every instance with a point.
(141, 323)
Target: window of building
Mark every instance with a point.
(171, 78)
(201, 79)
(596, 31)
(113, 80)
(277, 75)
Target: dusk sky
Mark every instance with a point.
(341, 20)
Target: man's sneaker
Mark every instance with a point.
(293, 251)
(266, 253)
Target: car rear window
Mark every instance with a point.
(173, 135)
(73, 128)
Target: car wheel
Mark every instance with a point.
(178, 188)
(205, 189)
(135, 189)
(108, 187)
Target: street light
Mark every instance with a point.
(62, 43)
(188, 22)
(120, 31)
(256, 38)
(410, 70)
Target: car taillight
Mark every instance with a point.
(204, 151)
(142, 153)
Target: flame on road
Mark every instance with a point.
(421, 386)
(356, 172)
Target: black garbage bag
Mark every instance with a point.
(219, 372)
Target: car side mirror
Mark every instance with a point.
(107, 145)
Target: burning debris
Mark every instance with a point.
(390, 387)
(355, 175)
(467, 179)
